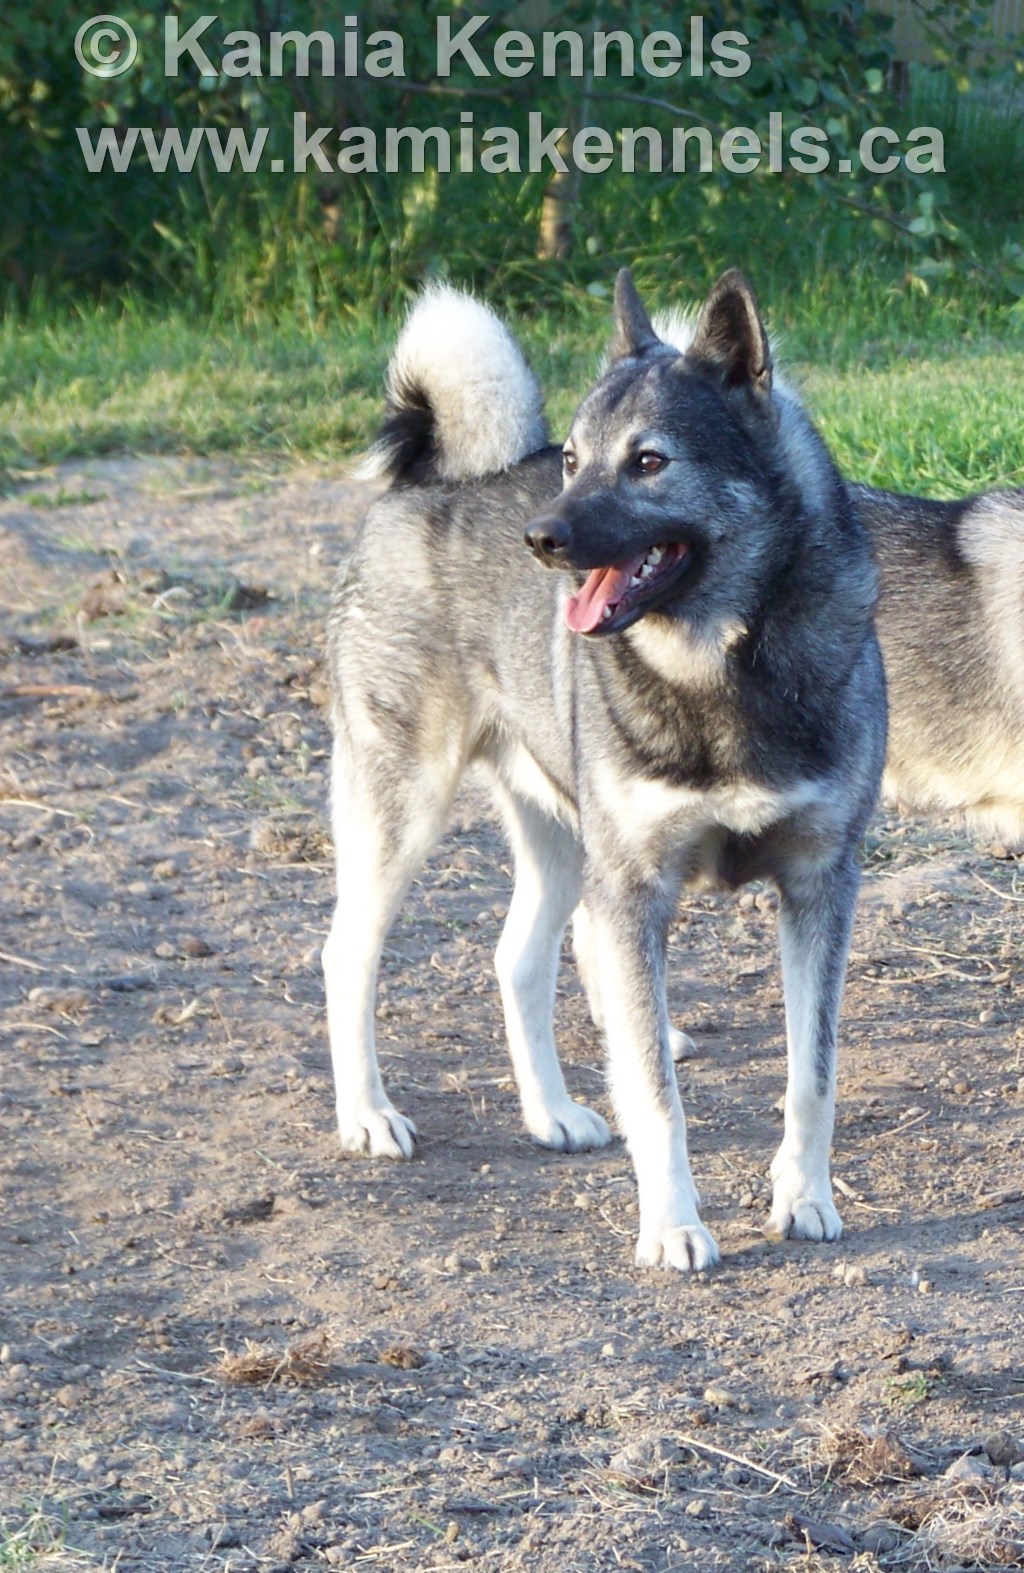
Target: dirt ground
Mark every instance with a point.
(225, 1346)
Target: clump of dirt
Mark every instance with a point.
(305, 1364)
(861, 1459)
(967, 1527)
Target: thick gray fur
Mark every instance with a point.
(725, 722)
(951, 623)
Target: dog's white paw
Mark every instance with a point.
(567, 1127)
(681, 1045)
(803, 1218)
(802, 1206)
(689, 1248)
(377, 1131)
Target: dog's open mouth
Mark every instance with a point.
(611, 598)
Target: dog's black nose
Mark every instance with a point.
(548, 537)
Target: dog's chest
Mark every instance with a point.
(744, 808)
(659, 823)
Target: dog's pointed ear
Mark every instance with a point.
(633, 332)
(730, 338)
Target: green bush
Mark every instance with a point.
(313, 245)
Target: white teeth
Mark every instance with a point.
(606, 614)
(648, 566)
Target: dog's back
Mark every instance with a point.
(951, 625)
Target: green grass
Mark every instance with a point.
(913, 392)
(34, 1543)
(140, 381)
(943, 426)
(62, 499)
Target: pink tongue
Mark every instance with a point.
(603, 587)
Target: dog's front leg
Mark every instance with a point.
(681, 1045)
(629, 926)
(815, 922)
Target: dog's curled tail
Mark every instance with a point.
(461, 401)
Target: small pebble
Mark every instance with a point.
(1003, 1449)
(968, 1468)
(644, 1461)
(697, 1508)
(222, 1535)
(852, 1276)
(879, 1539)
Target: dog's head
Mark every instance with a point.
(664, 458)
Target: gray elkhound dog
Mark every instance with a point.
(951, 623)
(696, 694)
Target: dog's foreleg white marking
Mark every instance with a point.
(629, 951)
(815, 921)
(681, 1045)
(547, 865)
(586, 962)
(373, 874)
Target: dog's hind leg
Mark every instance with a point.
(681, 1046)
(815, 922)
(384, 826)
(548, 864)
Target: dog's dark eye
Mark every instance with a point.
(570, 463)
(649, 462)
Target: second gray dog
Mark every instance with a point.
(951, 622)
